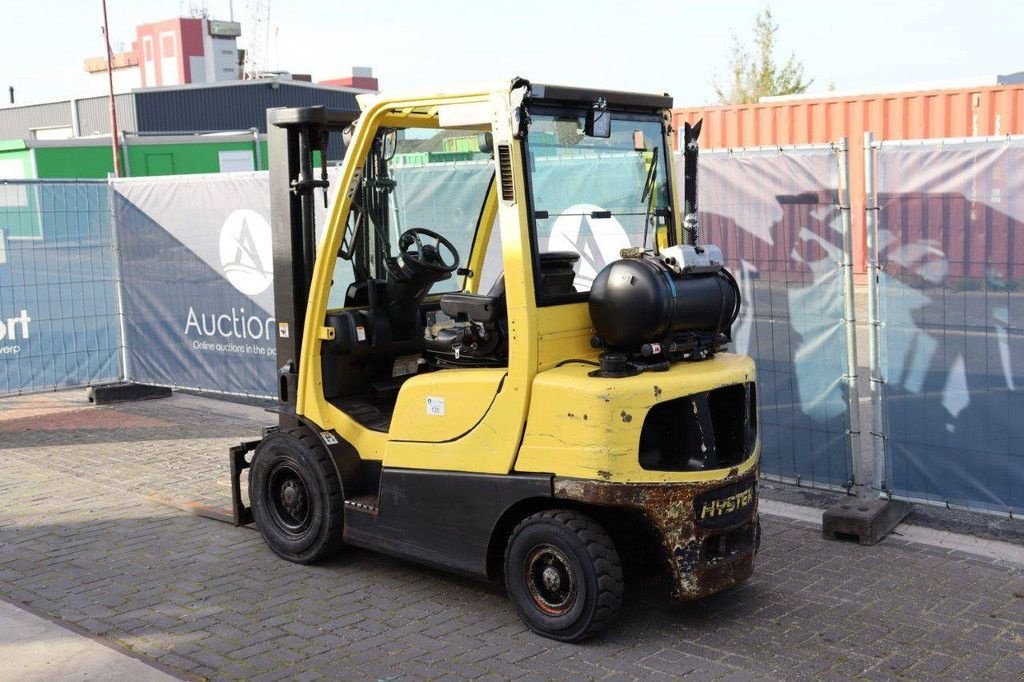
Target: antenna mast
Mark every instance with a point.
(258, 12)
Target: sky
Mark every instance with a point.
(675, 46)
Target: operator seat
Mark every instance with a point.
(478, 336)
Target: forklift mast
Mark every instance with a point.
(293, 135)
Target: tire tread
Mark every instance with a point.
(603, 556)
(334, 519)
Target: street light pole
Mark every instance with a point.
(110, 92)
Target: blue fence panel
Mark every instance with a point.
(951, 294)
(776, 215)
(58, 306)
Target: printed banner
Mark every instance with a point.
(197, 266)
(776, 217)
(58, 312)
(951, 288)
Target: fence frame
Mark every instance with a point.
(840, 149)
(34, 185)
(879, 431)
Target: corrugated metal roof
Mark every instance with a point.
(241, 106)
(94, 114)
(236, 106)
(17, 122)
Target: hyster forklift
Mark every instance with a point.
(503, 353)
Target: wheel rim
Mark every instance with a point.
(290, 503)
(549, 579)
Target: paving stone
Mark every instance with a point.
(84, 539)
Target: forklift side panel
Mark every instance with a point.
(480, 450)
(440, 406)
(440, 518)
(564, 332)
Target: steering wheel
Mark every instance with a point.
(428, 256)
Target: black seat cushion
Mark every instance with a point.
(473, 307)
(478, 336)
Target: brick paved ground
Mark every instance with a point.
(83, 539)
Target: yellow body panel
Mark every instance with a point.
(587, 427)
(574, 425)
(474, 451)
(565, 333)
(440, 406)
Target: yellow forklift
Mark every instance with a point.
(504, 352)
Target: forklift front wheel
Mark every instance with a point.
(563, 575)
(296, 497)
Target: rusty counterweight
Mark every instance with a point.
(709, 531)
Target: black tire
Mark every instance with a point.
(296, 497)
(563, 575)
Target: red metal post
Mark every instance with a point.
(110, 91)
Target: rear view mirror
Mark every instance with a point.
(639, 143)
(599, 121)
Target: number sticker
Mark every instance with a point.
(435, 406)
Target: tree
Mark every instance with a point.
(757, 75)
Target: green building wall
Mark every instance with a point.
(143, 159)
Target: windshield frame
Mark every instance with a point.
(664, 169)
(366, 241)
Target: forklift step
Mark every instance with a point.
(368, 414)
(366, 503)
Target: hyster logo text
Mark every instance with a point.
(246, 253)
(727, 505)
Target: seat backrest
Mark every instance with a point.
(556, 274)
(498, 288)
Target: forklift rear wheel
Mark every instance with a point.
(563, 575)
(296, 498)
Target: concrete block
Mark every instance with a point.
(866, 521)
(119, 393)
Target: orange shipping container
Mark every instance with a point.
(970, 112)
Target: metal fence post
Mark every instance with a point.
(849, 318)
(118, 283)
(876, 380)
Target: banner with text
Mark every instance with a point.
(196, 262)
(58, 311)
